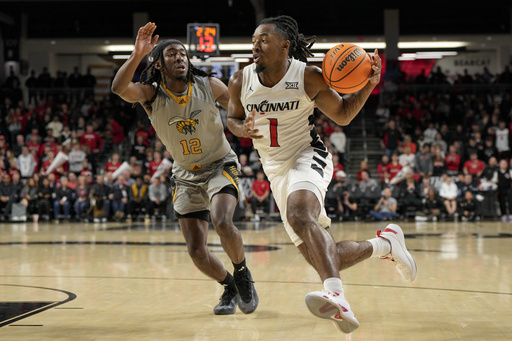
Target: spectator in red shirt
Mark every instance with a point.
(23, 117)
(327, 127)
(34, 144)
(3, 168)
(86, 169)
(452, 161)
(364, 168)
(142, 130)
(409, 143)
(115, 129)
(474, 166)
(113, 164)
(417, 111)
(391, 138)
(49, 142)
(40, 109)
(382, 169)
(245, 146)
(394, 167)
(94, 143)
(152, 131)
(3, 144)
(153, 165)
(260, 195)
(13, 168)
(92, 140)
(337, 165)
(36, 160)
(72, 181)
(58, 171)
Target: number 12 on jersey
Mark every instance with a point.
(193, 146)
(273, 132)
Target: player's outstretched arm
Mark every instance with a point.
(341, 109)
(122, 84)
(237, 122)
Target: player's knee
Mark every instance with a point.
(197, 252)
(299, 220)
(223, 224)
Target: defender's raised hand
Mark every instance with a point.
(122, 84)
(145, 42)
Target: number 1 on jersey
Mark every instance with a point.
(273, 132)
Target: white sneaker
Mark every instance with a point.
(332, 306)
(403, 260)
(420, 218)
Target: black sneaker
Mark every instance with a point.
(248, 298)
(228, 300)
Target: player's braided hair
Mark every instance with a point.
(299, 45)
(152, 75)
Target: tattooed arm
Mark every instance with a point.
(340, 109)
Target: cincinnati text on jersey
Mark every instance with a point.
(265, 106)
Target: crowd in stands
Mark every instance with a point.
(446, 155)
(440, 150)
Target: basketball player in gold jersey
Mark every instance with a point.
(272, 101)
(180, 102)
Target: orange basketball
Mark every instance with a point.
(346, 68)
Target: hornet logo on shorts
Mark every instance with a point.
(188, 125)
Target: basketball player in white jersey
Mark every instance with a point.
(180, 102)
(272, 101)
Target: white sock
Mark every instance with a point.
(381, 247)
(333, 284)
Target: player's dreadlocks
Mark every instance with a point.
(299, 45)
(152, 75)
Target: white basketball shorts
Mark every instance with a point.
(312, 172)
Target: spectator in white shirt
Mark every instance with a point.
(448, 193)
(430, 133)
(76, 158)
(157, 197)
(56, 126)
(26, 163)
(502, 136)
(439, 141)
(339, 141)
(407, 159)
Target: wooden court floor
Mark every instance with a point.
(135, 281)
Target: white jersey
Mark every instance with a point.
(292, 154)
(502, 140)
(284, 118)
